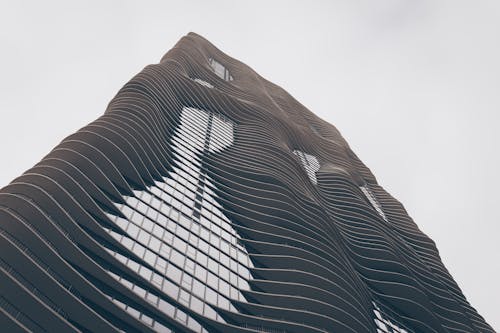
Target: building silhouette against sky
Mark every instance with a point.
(207, 199)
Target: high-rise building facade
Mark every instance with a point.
(207, 199)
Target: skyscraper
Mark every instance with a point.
(207, 199)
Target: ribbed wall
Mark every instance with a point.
(207, 199)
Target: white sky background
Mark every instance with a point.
(411, 84)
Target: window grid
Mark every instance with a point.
(386, 325)
(310, 164)
(373, 201)
(178, 227)
(220, 70)
(203, 83)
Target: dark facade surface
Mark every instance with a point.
(207, 199)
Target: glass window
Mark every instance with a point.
(215, 229)
(211, 296)
(155, 203)
(188, 202)
(185, 222)
(233, 278)
(156, 190)
(172, 226)
(189, 266)
(145, 273)
(169, 189)
(182, 233)
(177, 258)
(121, 222)
(196, 305)
(180, 245)
(157, 231)
(133, 265)
(142, 207)
(127, 211)
(174, 273)
(212, 280)
(209, 312)
(187, 281)
(167, 308)
(223, 272)
(203, 246)
(202, 258)
(207, 214)
(150, 258)
(139, 250)
(143, 237)
(198, 288)
(234, 293)
(152, 298)
(167, 199)
(181, 316)
(127, 242)
(126, 283)
(152, 214)
(233, 252)
(178, 195)
(162, 219)
(195, 228)
(146, 319)
(243, 284)
(213, 265)
(132, 230)
(165, 250)
(214, 240)
(184, 297)
(133, 312)
(177, 205)
(186, 210)
(233, 265)
(200, 273)
(224, 287)
(224, 246)
(205, 235)
(242, 257)
(146, 197)
(161, 264)
(242, 270)
(205, 222)
(214, 252)
(220, 70)
(132, 201)
(224, 259)
(216, 221)
(223, 302)
(191, 252)
(168, 237)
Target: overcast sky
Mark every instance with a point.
(413, 85)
